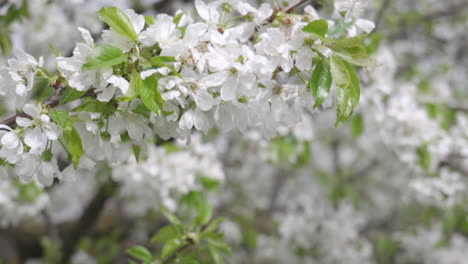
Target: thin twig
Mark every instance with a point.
(296, 5)
(52, 102)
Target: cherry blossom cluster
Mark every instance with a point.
(239, 67)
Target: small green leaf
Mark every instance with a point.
(134, 87)
(347, 97)
(338, 72)
(177, 18)
(347, 42)
(47, 155)
(73, 140)
(171, 246)
(156, 62)
(149, 20)
(317, 27)
(70, 95)
(218, 243)
(320, 83)
(217, 259)
(140, 253)
(95, 106)
(213, 225)
(104, 56)
(209, 183)
(170, 216)
(118, 21)
(166, 233)
(136, 151)
(150, 95)
(163, 59)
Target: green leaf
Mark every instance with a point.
(47, 155)
(170, 216)
(218, 243)
(136, 151)
(338, 72)
(209, 183)
(213, 225)
(317, 27)
(347, 42)
(166, 233)
(171, 246)
(354, 86)
(156, 62)
(320, 83)
(73, 140)
(150, 95)
(95, 106)
(104, 56)
(70, 95)
(59, 117)
(217, 259)
(347, 97)
(163, 59)
(118, 21)
(5, 42)
(149, 20)
(140, 253)
(424, 157)
(133, 88)
(197, 201)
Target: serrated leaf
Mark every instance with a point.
(140, 253)
(318, 27)
(338, 72)
(166, 233)
(70, 95)
(150, 96)
(171, 246)
(73, 141)
(104, 56)
(118, 21)
(320, 83)
(347, 97)
(95, 106)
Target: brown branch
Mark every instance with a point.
(296, 5)
(50, 103)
